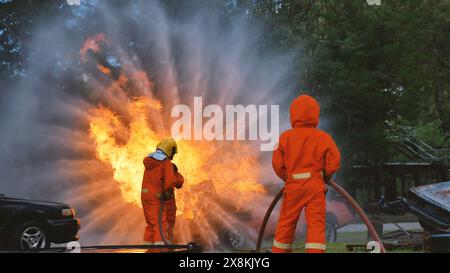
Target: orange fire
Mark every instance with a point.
(125, 132)
(93, 44)
(231, 166)
(104, 70)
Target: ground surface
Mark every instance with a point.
(355, 234)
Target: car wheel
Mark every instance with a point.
(28, 236)
(234, 237)
(331, 229)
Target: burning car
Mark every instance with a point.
(29, 225)
(214, 221)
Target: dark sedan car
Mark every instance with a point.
(28, 224)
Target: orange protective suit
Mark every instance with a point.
(303, 156)
(157, 173)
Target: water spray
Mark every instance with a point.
(344, 194)
(112, 81)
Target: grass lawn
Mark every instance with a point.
(341, 248)
(353, 238)
(346, 238)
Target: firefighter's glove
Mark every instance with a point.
(326, 179)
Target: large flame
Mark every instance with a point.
(232, 167)
(124, 133)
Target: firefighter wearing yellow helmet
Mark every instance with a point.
(168, 146)
(161, 176)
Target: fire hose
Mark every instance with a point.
(344, 194)
(160, 221)
(160, 213)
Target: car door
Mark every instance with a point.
(7, 209)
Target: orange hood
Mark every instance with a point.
(305, 111)
(151, 163)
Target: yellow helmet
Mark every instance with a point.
(168, 146)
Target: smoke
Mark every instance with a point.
(194, 50)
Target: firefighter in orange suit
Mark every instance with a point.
(304, 159)
(161, 176)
